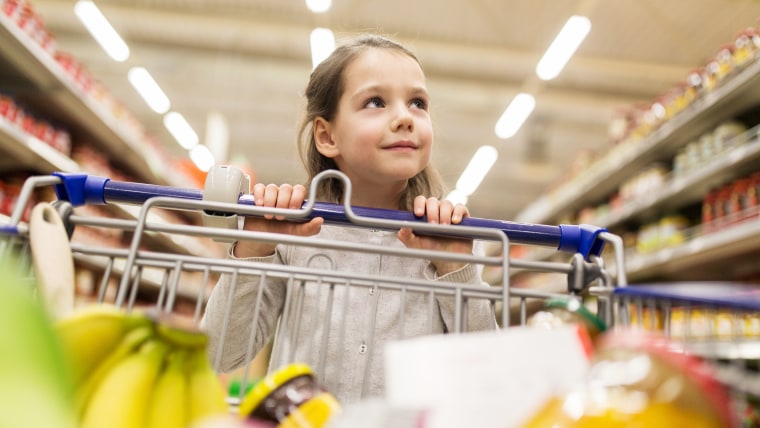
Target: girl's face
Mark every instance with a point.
(381, 134)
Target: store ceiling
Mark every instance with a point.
(249, 60)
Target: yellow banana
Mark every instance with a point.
(129, 345)
(206, 395)
(184, 336)
(90, 333)
(121, 400)
(168, 404)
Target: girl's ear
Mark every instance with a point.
(323, 138)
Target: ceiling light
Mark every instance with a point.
(148, 89)
(101, 30)
(202, 157)
(563, 47)
(318, 6)
(217, 135)
(181, 130)
(457, 197)
(322, 45)
(476, 170)
(515, 115)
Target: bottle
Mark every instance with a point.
(290, 397)
(640, 379)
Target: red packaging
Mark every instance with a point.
(722, 207)
(738, 201)
(28, 124)
(753, 195)
(44, 131)
(708, 211)
(68, 64)
(8, 108)
(48, 42)
(10, 195)
(3, 198)
(27, 20)
(84, 79)
(20, 117)
(62, 141)
(10, 8)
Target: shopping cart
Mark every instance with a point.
(128, 275)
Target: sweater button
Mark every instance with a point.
(372, 291)
(363, 348)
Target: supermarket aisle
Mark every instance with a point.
(663, 282)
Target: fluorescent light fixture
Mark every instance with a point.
(217, 135)
(563, 47)
(319, 6)
(457, 197)
(181, 130)
(476, 170)
(148, 89)
(101, 30)
(515, 115)
(202, 157)
(322, 45)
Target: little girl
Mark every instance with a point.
(367, 115)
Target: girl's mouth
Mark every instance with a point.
(402, 145)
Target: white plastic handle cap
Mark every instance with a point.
(52, 259)
(224, 183)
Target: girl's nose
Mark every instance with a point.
(402, 119)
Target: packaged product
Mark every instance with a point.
(290, 397)
(672, 231)
(640, 379)
(567, 310)
(724, 58)
(746, 45)
(729, 134)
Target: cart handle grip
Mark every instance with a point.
(80, 189)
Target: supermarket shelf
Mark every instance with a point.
(735, 95)
(150, 281)
(689, 187)
(29, 151)
(65, 101)
(24, 150)
(179, 244)
(706, 252)
(739, 348)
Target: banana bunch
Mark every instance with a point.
(138, 370)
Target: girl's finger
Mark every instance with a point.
(283, 198)
(420, 203)
(258, 193)
(432, 210)
(270, 198)
(298, 196)
(460, 212)
(445, 212)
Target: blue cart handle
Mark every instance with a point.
(81, 189)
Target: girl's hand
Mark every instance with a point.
(271, 195)
(438, 212)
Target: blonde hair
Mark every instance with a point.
(323, 93)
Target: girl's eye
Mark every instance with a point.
(375, 102)
(419, 103)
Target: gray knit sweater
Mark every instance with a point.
(361, 319)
